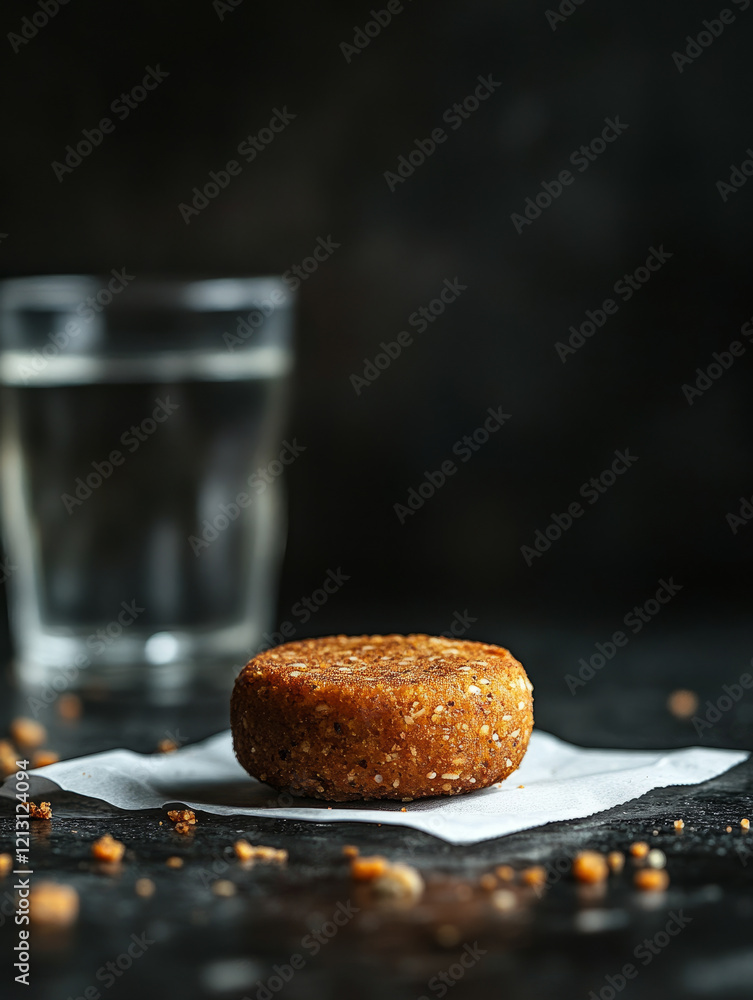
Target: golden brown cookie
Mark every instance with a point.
(381, 716)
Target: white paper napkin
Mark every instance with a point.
(561, 782)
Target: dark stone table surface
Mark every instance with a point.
(694, 941)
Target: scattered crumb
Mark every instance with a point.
(403, 810)
(108, 849)
(654, 833)
(43, 758)
(224, 887)
(69, 707)
(651, 879)
(682, 704)
(41, 811)
(183, 828)
(488, 882)
(167, 746)
(6, 863)
(745, 824)
(504, 899)
(174, 862)
(260, 852)
(243, 850)
(366, 869)
(27, 732)
(53, 905)
(506, 873)
(350, 851)
(398, 882)
(728, 829)
(7, 758)
(590, 866)
(144, 887)
(521, 786)
(639, 849)
(656, 858)
(616, 861)
(679, 824)
(447, 935)
(182, 816)
(534, 876)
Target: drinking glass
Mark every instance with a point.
(141, 456)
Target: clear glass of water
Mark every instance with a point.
(141, 457)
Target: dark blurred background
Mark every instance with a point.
(323, 177)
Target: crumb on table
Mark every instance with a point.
(27, 732)
(53, 905)
(639, 849)
(174, 862)
(108, 849)
(364, 869)
(144, 887)
(590, 866)
(224, 887)
(682, 703)
(69, 707)
(679, 824)
(182, 816)
(399, 882)
(350, 851)
(616, 861)
(745, 824)
(41, 811)
(6, 863)
(167, 746)
(651, 879)
(43, 758)
(506, 873)
(534, 876)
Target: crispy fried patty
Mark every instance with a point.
(381, 716)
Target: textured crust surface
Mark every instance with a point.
(381, 717)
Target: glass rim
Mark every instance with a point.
(194, 294)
